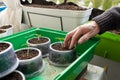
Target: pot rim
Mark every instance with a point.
(36, 72)
(10, 46)
(59, 50)
(58, 64)
(10, 70)
(39, 43)
(3, 30)
(27, 60)
(23, 76)
(6, 25)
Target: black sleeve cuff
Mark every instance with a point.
(109, 20)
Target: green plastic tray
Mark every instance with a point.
(109, 46)
(84, 51)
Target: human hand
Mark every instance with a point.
(81, 34)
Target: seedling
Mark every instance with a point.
(61, 40)
(38, 36)
(32, 35)
(28, 50)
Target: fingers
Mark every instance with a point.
(84, 38)
(68, 37)
(75, 38)
(88, 35)
(81, 34)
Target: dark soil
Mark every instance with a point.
(23, 54)
(66, 7)
(59, 46)
(69, 6)
(43, 2)
(12, 76)
(2, 31)
(38, 40)
(3, 46)
(50, 4)
(5, 27)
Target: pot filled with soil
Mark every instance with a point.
(41, 43)
(30, 61)
(8, 28)
(61, 15)
(8, 59)
(3, 33)
(60, 56)
(16, 75)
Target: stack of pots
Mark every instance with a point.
(6, 30)
(8, 59)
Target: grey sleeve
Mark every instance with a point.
(109, 20)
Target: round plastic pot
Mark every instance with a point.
(33, 66)
(3, 34)
(44, 47)
(22, 75)
(8, 60)
(61, 58)
(16, 75)
(8, 28)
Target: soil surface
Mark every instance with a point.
(59, 46)
(3, 46)
(2, 31)
(26, 54)
(5, 27)
(38, 40)
(50, 4)
(12, 76)
(65, 7)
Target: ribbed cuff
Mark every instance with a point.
(105, 21)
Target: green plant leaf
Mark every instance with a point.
(38, 35)
(60, 39)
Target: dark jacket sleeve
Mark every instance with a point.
(109, 20)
